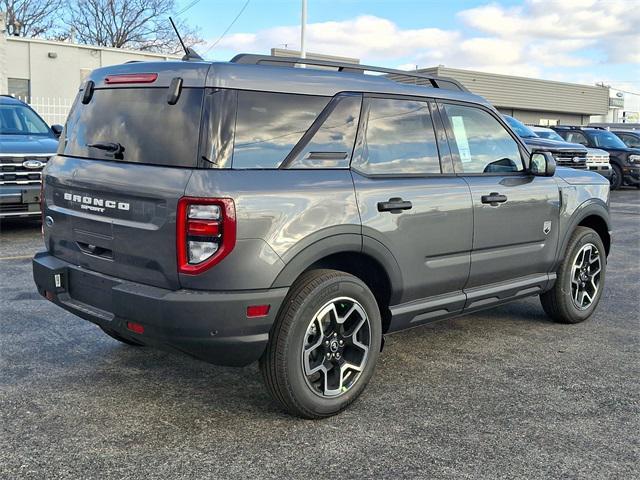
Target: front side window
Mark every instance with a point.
(399, 139)
(269, 125)
(482, 143)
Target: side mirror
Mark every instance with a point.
(57, 130)
(542, 164)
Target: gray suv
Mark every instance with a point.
(251, 211)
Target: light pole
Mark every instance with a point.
(303, 27)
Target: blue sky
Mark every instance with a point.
(569, 40)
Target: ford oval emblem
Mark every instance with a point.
(32, 164)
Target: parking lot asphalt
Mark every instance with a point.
(500, 394)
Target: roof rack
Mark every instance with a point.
(579, 127)
(434, 81)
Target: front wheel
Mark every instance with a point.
(580, 280)
(324, 345)
(616, 177)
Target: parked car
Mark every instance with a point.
(625, 161)
(597, 160)
(631, 138)
(566, 154)
(26, 143)
(295, 216)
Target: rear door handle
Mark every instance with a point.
(494, 198)
(394, 205)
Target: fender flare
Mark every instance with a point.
(341, 243)
(589, 208)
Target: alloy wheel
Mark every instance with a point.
(585, 276)
(336, 347)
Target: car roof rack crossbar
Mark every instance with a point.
(434, 81)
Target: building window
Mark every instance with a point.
(19, 87)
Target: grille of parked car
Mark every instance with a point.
(571, 159)
(597, 158)
(22, 170)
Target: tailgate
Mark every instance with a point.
(115, 218)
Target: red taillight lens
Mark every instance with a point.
(254, 311)
(135, 327)
(206, 232)
(131, 78)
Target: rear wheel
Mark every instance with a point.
(580, 280)
(616, 177)
(116, 336)
(324, 344)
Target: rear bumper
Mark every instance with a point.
(211, 326)
(19, 200)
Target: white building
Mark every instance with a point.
(47, 74)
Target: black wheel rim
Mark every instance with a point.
(585, 276)
(335, 348)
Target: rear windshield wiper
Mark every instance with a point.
(112, 147)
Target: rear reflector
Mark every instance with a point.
(131, 78)
(135, 327)
(254, 311)
(203, 228)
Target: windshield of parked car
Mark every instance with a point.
(18, 119)
(606, 139)
(521, 129)
(549, 134)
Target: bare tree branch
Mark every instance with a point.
(134, 24)
(31, 18)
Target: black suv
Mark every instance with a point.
(566, 154)
(294, 216)
(625, 161)
(26, 144)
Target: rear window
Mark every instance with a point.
(140, 120)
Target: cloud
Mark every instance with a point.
(537, 38)
(567, 25)
(366, 36)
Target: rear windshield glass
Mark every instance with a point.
(136, 125)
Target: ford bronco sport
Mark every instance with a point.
(251, 211)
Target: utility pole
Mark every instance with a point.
(303, 27)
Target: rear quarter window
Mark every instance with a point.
(140, 119)
(269, 125)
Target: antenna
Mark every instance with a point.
(189, 53)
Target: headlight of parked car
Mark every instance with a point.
(634, 158)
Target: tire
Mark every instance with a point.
(302, 337)
(564, 302)
(616, 179)
(116, 336)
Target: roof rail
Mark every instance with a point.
(434, 81)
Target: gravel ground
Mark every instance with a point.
(500, 394)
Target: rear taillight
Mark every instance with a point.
(206, 232)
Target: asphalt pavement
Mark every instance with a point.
(504, 393)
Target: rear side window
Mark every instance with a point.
(330, 140)
(399, 139)
(140, 120)
(269, 125)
